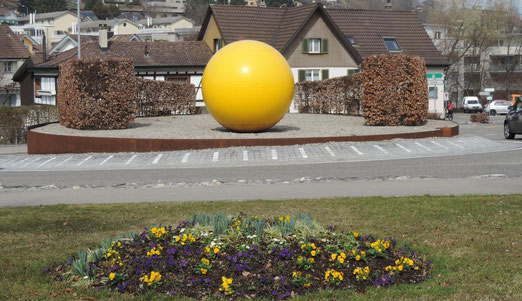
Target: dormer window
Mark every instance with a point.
(391, 44)
(315, 46)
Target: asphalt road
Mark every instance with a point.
(493, 172)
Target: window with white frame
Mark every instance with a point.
(432, 92)
(45, 91)
(314, 45)
(312, 74)
(8, 66)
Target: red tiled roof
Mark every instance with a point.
(12, 47)
(187, 53)
(368, 27)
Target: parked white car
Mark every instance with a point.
(471, 104)
(497, 107)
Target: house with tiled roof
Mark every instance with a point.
(321, 43)
(170, 61)
(8, 16)
(166, 29)
(54, 26)
(12, 55)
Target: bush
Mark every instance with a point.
(479, 118)
(15, 120)
(156, 98)
(339, 95)
(97, 93)
(395, 90)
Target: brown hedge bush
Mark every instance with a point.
(97, 93)
(479, 118)
(395, 90)
(15, 120)
(339, 95)
(156, 98)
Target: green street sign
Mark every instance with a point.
(434, 75)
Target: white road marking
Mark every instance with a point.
(185, 158)
(356, 150)
(439, 144)
(10, 161)
(21, 161)
(245, 155)
(84, 160)
(409, 151)
(454, 144)
(156, 160)
(46, 161)
(381, 149)
(424, 147)
(274, 154)
(130, 159)
(63, 161)
(30, 162)
(303, 153)
(215, 157)
(107, 159)
(329, 151)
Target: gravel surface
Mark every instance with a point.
(205, 127)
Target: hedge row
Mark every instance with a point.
(395, 90)
(155, 98)
(340, 95)
(97, 93)
(15, 120)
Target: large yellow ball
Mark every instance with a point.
(247, 86)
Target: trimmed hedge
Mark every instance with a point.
(156, 98)
(339, 95)
(97, 93)
(15, 120)
(395, 90)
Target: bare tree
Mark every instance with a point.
(8, 88)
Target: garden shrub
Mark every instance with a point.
(339, 95)
(97, 93)
(395, 90)
(15, 120)
(156, 98)
(479, 118)
(220, 257)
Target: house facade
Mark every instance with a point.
(116, 26)
(8, 16)
(12, 56)
(170, 29)
(170, 61)
(321, 43)
(54, 26)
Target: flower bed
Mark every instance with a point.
(242, 257)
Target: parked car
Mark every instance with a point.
(497, 107)
(471, 104)
(513, 122)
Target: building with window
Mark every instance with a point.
(8, 16)
(170, 61)
(12, 55)
(54, 26)
(170, 29)
(321, 43)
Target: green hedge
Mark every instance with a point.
(15, 120)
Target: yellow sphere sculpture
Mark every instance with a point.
(247, 86)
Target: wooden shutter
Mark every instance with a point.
(301, 75)
(324, 45)
(325, 73)
(304, 42)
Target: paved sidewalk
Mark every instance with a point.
(13, 149)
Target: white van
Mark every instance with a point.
(471, 104)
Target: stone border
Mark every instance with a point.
(41, 143)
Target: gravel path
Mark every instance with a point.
(205, 127)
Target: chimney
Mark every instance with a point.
(44, 44)
(388, 4)
(102, 36)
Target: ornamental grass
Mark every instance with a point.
(235, 257)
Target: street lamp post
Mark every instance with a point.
(79, 35)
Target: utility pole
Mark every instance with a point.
(79, 35)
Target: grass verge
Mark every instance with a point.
(474, 242)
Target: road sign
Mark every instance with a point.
(434, 75)
(490, 98)
(483, 93)
(489, 90)
(446, 96)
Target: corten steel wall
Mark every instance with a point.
(40, 143)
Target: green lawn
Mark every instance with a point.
(474, 242)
